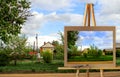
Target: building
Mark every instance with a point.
(118, 46)
(47, 46)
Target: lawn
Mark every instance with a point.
(28, 66)
(118, 61)
(81, 58)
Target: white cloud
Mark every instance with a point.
(110, 6)
(42, 39)
(88, 1)
(34, 23)
(118, 34)
(51, 5)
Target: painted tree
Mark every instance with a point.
(72, 37)
(13, 14)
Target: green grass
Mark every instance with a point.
(101, 58)
(33, 67)
(118, 61)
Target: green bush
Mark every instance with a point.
(73, 51)
(47, 56)
(93, 51)
(117, 53)
(59, 56)
(4, 59)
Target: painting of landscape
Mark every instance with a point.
(89, 46)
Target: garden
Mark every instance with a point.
(91, 54)
(16, 57)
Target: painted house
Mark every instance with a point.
(118, 46)
(47, 46)
(111, 50)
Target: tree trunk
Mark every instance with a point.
(15, 61)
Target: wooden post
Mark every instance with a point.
(93, 16)
(85, 16)
(77, 73)
(101, 73)
(88, 11)
(87, 73)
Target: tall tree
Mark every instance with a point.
(61, 37)
(72, 37)
(17, 44)
(13, 14)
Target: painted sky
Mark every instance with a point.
(50, 17)
(101, 39)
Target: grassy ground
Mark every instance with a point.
(118, 61)
(101, 58)
(28, 66)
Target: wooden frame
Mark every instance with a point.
(92, 28)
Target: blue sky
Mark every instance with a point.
(101, 39)
(50, 17)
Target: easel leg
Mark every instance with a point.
(101, 73)
(87, 73)
(77, 73)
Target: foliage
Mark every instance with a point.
(73, 51)
(58, 56)
(17, 45)
(4, 58)
(47, 56)
(62, 37)
(118, 53)
(93, 51)
(72, 37)
(58, 51)
(13, 14)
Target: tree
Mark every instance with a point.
(58, 50)
(93, 51)
(61, 37)
(17, 45)
(13, 14)
(72, 37)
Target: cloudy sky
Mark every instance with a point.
(50, 17)
(101, 39)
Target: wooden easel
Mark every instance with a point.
(88, 15)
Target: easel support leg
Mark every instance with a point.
(101, 73)
(77, 73)
(87, 73)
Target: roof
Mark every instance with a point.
(117, 45)
(48, 44)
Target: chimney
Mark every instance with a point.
(44, 43)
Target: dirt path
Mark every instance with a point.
(106, 74)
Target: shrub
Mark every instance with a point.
(73, 51)
(85, 55)
(59, 56)
(4, 59)
(47, 56)
(118, 53)
(93, 51)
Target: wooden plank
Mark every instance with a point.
(73, 68)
